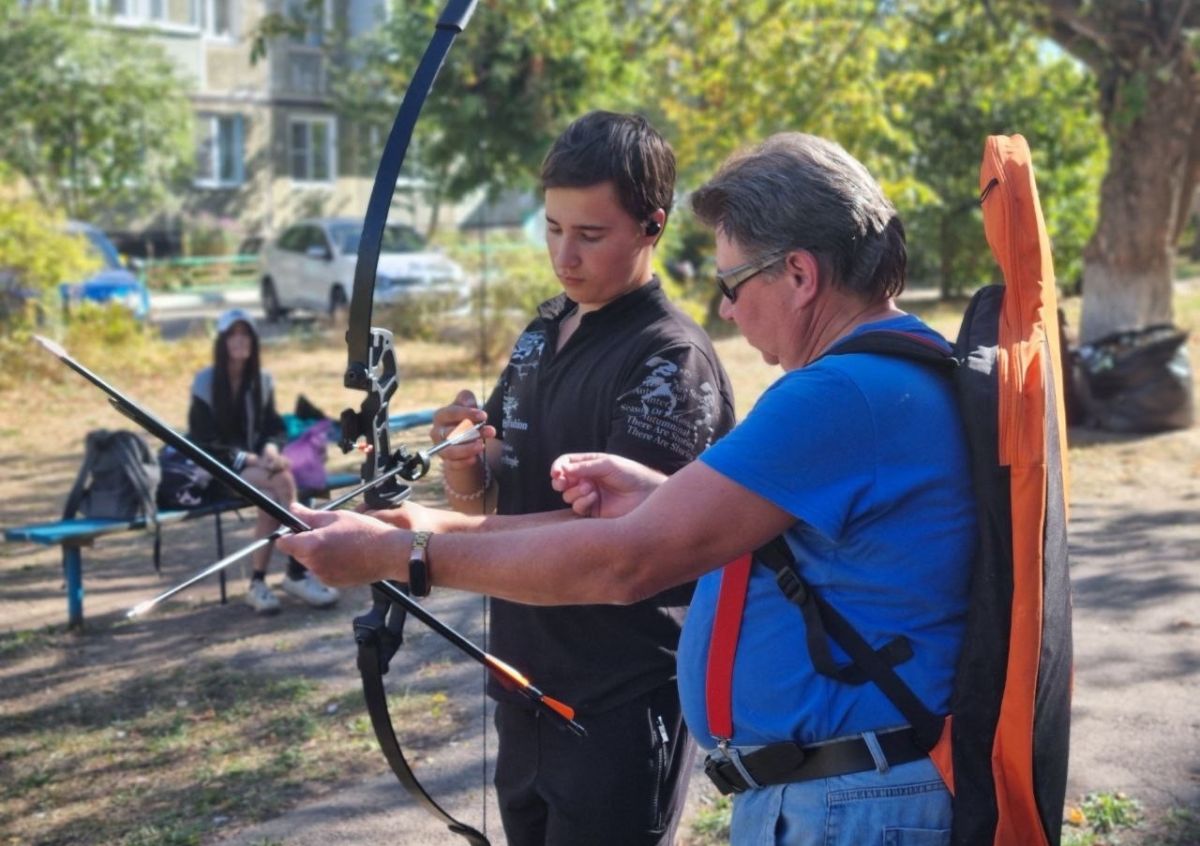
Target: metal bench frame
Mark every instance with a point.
(74, 535)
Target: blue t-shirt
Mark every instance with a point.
(869, 454)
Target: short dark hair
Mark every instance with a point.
(622, 149)
(797, 191)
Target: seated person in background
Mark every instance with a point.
(232, 416)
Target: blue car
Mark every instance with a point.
(113, 283)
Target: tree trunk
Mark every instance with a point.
(1151, 116)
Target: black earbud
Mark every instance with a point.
(653, 227)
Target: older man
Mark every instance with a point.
(858, 460)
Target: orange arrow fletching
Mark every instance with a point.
(560, 708)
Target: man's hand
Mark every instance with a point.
(345, 548)
(463, 456)
(596, 484)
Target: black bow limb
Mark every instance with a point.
(371, 367)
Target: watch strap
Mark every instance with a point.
(419, 583)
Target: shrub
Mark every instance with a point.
(36, 254)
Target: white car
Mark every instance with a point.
(311, 266)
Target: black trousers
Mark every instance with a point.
(622, 785)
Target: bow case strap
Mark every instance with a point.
(379, 634)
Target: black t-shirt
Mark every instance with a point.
(640, 379)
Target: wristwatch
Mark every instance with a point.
(418, 566)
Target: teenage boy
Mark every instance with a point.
(608, 365)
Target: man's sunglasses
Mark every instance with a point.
(730, 280)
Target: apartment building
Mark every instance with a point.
(270, 146)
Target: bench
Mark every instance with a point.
(75, 534)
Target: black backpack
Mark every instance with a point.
(184, 484)
(1004, 751)
(117, 480)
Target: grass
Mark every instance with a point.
(1101, 819)
(17, 643)
(710, 825)
(168, 759)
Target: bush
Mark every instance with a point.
(209, 235)
(513, 277)
(105, 334)
(519, 278)
(36, 252)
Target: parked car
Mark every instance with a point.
(311, 266)
(113, 283)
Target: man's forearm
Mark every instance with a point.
(470, 523)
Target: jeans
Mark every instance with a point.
(906, 806)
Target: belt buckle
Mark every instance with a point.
(731, 756)
(712, 769)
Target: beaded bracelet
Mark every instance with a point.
(487, 482)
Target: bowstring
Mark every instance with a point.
(483, 598)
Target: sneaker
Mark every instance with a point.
(261, 598)
(311, 590)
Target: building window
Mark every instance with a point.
(312, 17)
(218, 17)
(311, 149)
(123, 9)
(220, 156)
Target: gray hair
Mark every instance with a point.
(797, 191)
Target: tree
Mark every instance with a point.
(93, 122)
(726, 77)
(1145, 55)
(975, 80)
(910, 87)
(518, 74)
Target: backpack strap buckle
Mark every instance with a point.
(793, 587)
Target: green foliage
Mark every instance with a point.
(978, 79)
(517, 75)
(1100, 819)
(208, 235)
(1106, 812)
(94, 121)
(731, 78)
(516, 278)
(35, 245)
(710, 826)
(911, 88)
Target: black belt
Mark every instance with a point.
(781, 763)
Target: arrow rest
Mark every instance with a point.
(379, 377)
